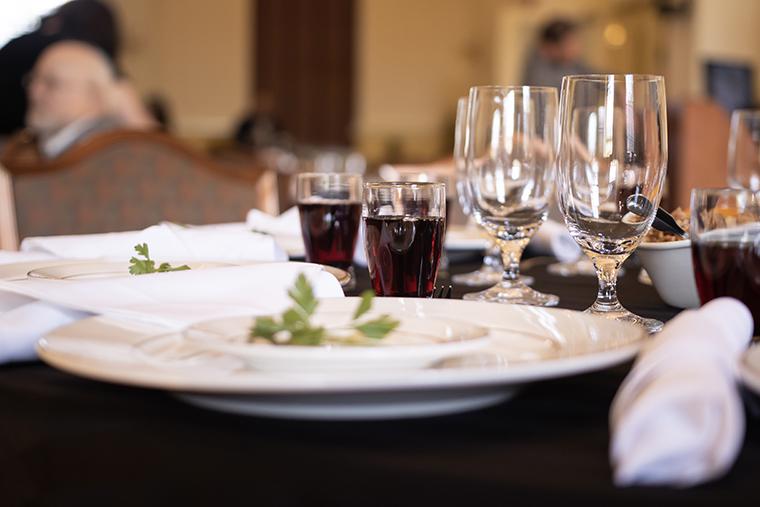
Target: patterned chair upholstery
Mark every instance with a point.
(129, 180)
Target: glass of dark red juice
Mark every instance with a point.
(404, 227)
(330, 208)
(725, 245)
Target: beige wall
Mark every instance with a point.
(193, 52)
(725, 29)
(414, 59)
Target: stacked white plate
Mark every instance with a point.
(447, 356)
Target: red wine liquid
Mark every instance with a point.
(403, 254)
(726, 268)
(329, 231)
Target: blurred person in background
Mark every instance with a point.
(260, 127)
(89, 21)
(73, 93)
(558, 54)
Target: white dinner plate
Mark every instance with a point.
(749, 368)
(104, 269)
(416, 343)
(527, 344)
(77, 269)
(466, 237)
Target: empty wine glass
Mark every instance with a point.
(613, 144)
(510, 150)
(490, 271)
(744, 149)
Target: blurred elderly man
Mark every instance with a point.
(73, 93)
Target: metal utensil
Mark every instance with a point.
(663, 221)
(442, 292)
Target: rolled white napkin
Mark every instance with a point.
(167, 242)
(678, 419)
(173, 299)
(553, 238)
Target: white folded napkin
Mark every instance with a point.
(287, 229)
(678, 419)
(286, 224)
(553, 238)
(9, 257)
(22, 326)
(171, 299)
(167, 242)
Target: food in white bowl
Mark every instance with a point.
(667, 259)
(670, 267)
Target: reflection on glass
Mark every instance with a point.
(490, 271)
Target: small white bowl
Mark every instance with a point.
(418, 342)
(670, 267)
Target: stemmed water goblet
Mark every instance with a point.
(510, 147)
(613, 144)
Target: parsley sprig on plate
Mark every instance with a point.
(148, 265)
(294, 326)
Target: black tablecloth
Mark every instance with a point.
(71, 441)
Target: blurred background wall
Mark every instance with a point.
(195, 54)
(413, 58)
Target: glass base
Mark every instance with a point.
(513, 292)
(581, 267)
(617, 312)
(486, 275)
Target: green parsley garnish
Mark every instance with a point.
(294, 328)
(147, 265)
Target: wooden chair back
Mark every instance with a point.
(127, 180)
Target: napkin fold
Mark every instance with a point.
(167, 241)
(286, 224)
(553, 238)
(286, 228)
(678, 418)
(173, 300)
(22, 326)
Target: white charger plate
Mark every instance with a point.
(527, 344)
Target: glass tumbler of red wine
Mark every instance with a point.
(330, 208)
(404, 227)
(725, 246)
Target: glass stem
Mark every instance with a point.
(607, 271)
(511, 252)
(492, 258)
